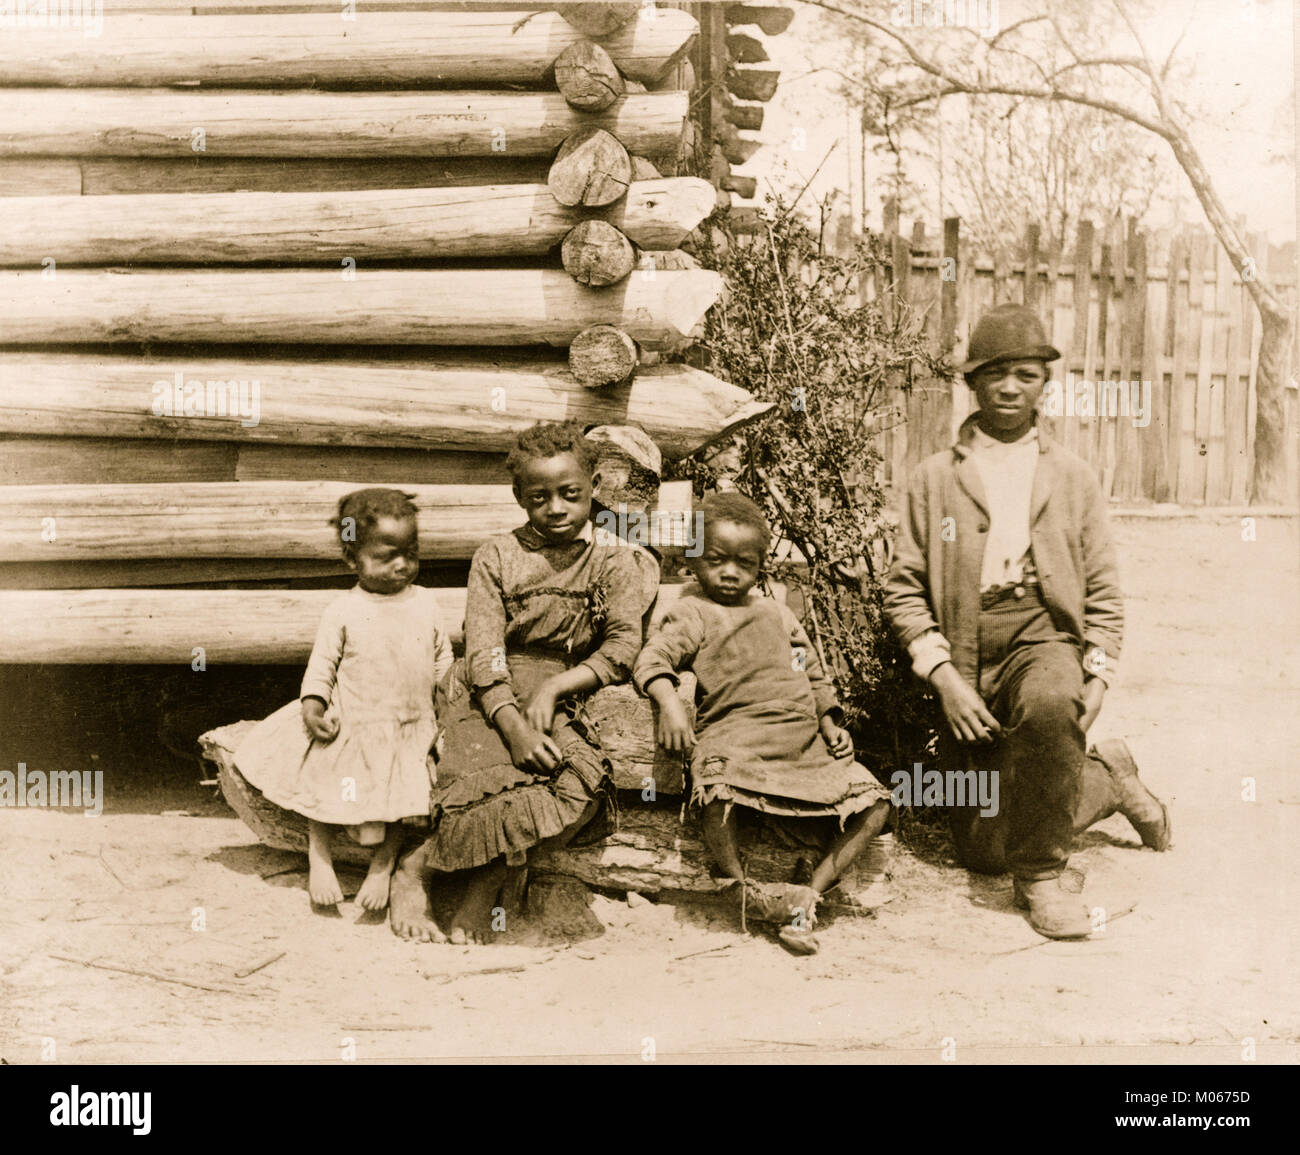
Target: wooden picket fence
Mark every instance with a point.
(1121, 305)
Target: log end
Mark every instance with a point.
(595, 253)
(602, 355)
(587, 77)
(591, 168)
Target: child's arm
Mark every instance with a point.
(804, 656)
(631, 584)
(319, 678)
(485, 655)
(671, 647)
(442, 655)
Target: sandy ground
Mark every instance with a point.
(1206, 960)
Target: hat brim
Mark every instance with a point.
(1028, 353)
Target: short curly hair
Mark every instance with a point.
(739, 510)
(549, 439)
(363, 508)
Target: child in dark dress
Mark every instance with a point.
(551, 614)
(767, 735)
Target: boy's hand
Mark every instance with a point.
(968, 717)
(1094, 689)
(674, 731)
(540, 711)
(838, 740)
(322, 725)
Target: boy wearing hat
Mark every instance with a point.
(1005, 592)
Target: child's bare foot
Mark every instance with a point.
(322, 882)
(411, 913)
(472, 922)
(373, 894)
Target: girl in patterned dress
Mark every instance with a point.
(355, 749)
(551, 615)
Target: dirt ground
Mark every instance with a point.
(1206, 959)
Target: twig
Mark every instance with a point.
(711, 950)
(483, 971)
(778, 1042)
(148, 974)
(1043, 941)
(252, 969)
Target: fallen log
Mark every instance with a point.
(261, 519)
(596, 253)
(381, 306)
(652, 852)
(457, 401)
(429, 223)
(306, 123)
(163, 626)
(592, 168)
(460, 49)
(587, 77)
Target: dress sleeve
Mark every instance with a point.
(485, 631)
(442, 655)
(322, 667)
(805, 657)
(631, 582)
(671, 647)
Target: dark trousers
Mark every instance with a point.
(1049, 788)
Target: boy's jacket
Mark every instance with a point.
(934, 581)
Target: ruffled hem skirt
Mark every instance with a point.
(376, 770)
(483, 806)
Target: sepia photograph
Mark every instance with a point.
(650, 534)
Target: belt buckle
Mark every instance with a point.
(1019, 591)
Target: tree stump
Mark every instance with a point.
(630, 466)
(602, 355)
(591, 168)
(596, 253)
(587, 77)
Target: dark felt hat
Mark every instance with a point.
(1006, 333)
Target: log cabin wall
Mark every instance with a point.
(253, 255)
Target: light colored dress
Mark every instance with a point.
(762, 694)
(375, 663)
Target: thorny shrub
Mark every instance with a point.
(794, 331)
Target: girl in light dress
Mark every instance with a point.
(356, 749)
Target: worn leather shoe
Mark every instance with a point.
(1053, 911)
(1142, 808)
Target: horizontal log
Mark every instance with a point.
(104, 460)
(190, 228)
(201, 174)
(162, 626)
(262, 519)
(35, 178)
(350, 306)
(742, 186)
(587, 76)
(452, 402)
(463, 49)
(305, 123)
(121, 460)
(213, 572)
(746, 116)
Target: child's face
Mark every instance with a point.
(1008, 392)
(555, 493)
(728, 566)
(387, 558)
